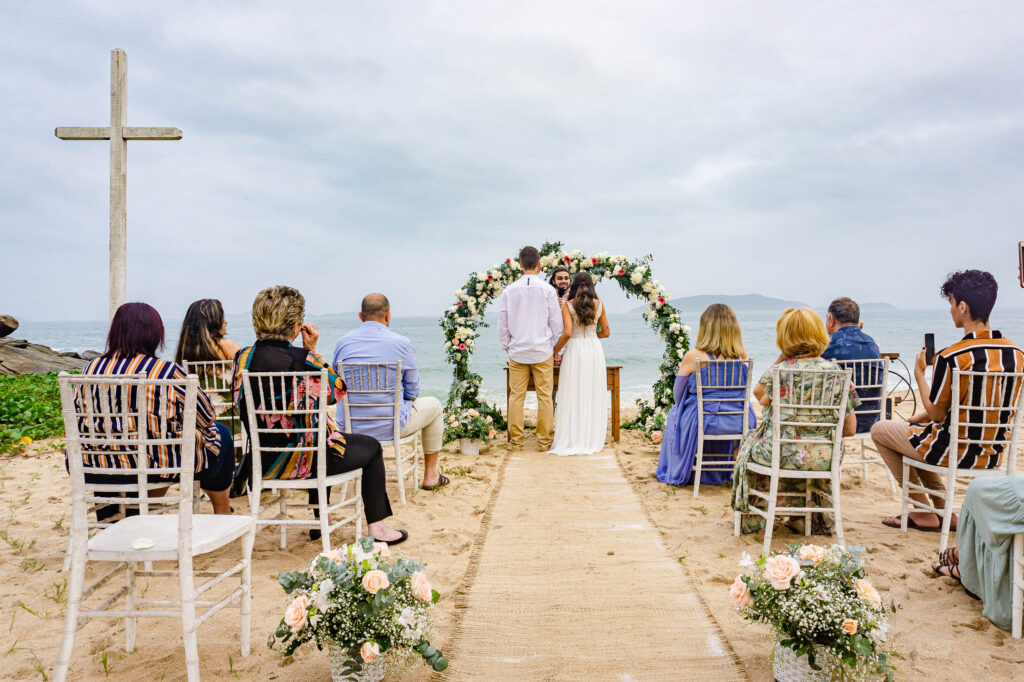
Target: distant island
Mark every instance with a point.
(743, 303)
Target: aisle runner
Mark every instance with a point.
(573, 583)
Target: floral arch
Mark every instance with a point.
(462, 319)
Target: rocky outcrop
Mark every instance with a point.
(7, 325)
(21, 357)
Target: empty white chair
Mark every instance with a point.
(382, 380)
(98, 423)
(270, 413)
(727, 386)
(868, 375)
(801, 406)
(990, 419)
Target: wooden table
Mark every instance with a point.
(613, 386)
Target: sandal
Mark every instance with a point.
(949, 557)
(954, 573)
(911, 525)
(442, 481)
(400, 540)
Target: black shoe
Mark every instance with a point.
(314, 534)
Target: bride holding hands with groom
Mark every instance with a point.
(538, 331)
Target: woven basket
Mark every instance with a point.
(788, 666)
(469, 447)
(371, 672)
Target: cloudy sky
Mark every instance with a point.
(799, 150)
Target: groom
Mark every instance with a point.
(529, 324)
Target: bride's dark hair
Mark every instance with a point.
(583, 298)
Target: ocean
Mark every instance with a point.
(632, 344)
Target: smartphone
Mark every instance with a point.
(888, 408)
(1020, 265)
(929, 348)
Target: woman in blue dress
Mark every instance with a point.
(718, 338)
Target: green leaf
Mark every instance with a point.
(434, 596)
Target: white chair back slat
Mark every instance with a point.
(721, 375)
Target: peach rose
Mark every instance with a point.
(741, 593)
(812, 553)
(867, 592)
(337, 555)
(472, 413)
(421, 586)
(656, 436)
(382, 549)
(780, 571)
(295, 614)
(369, 651)
(374, 581)
(850, 626)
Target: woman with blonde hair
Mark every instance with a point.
(718, 338)
(801, 336)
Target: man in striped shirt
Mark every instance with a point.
(971, 295)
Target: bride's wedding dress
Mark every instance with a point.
(581, 404)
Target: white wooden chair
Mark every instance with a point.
(266, 402)
(382, 380)
(871, 374)
(824, 408)
(98, 422)
(725, 378)
(996, 407)
(1018, 585)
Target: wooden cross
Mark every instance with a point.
(118, 133)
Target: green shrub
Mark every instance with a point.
(29, 407)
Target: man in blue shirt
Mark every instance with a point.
(848, 342)
(374, 342)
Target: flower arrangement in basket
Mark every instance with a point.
(468, 425)
(361, 602)
(820, 605)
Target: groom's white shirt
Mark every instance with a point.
(529, 320)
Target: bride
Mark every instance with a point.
(581, 405)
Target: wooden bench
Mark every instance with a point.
(613, 386)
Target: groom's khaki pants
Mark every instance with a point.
(544, 380)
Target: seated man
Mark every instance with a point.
(374, 342)
(971, 294)
(848, 342)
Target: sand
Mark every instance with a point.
(938, 628)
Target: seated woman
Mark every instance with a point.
(277, 318)
(719, 338)
(800, 335)
(204, 334)
(136, 332)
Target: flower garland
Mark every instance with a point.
(462, 320)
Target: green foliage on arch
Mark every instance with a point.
(465, 316)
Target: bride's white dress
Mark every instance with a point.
(581, 404)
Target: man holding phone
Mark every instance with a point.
(926, 437)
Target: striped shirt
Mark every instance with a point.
(983, 351)
(160, 456)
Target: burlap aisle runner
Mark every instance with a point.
(573, 583)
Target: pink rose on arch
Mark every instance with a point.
(741, 593)
(780, 571)
(472, 413)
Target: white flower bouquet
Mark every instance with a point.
(818, 601)
(361, 599)
(470, 424)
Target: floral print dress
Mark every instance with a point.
(757, 447)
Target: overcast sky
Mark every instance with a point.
(799, 150)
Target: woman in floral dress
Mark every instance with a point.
(801, 337)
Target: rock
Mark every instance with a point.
(21, 357)
(90, 355)
(7, 325)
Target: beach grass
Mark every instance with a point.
(29, 409)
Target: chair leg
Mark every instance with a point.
(284, 515)
(1017, 612)
(769, 526)
(325, 521)
(359, 507)
(698, 464)
(246, 599)
(837, 510)
(807, 503)
(906, 497)
(398, 471)
(188, 617)
(129, 605)
(947, 512)
(736, 524)
(74, 604)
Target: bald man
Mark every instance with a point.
(374, 342)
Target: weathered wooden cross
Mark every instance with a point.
(118, 133)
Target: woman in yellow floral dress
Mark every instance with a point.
(801, 337)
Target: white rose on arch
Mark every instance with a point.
(637, 276)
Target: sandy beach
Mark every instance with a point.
(938, 628)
